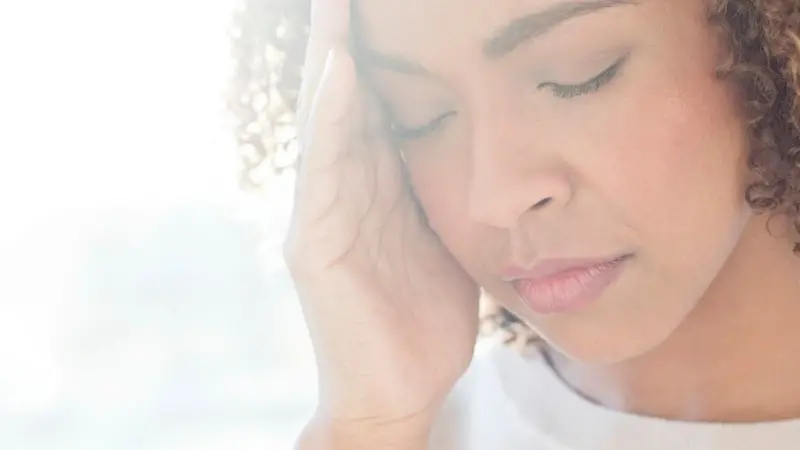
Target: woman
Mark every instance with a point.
(620, 175)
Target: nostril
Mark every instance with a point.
(542, 203)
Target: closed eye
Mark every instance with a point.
(401, 133)
(568, 91)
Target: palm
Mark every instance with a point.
(393, 318)
(402, 319)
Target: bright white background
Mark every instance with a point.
(143, 302)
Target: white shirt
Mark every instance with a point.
(507, 401)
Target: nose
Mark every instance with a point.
(512, 176)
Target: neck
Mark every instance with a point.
(735, 357)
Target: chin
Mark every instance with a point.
(599, 343)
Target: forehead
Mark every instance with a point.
(398, 24)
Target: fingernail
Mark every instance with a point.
(328, 62)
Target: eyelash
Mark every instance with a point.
(401, 133)
(567, 91)
(564, 91)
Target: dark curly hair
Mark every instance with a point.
(763, 62)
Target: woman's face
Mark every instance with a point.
(547, 129)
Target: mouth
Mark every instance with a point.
(565, 285)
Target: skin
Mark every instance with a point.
(365, 266)
(652, 163)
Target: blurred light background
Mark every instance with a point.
(143, 301)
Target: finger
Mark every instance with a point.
(330, 25)
(330, 126)
(328, 134)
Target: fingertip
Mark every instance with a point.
(330, 18)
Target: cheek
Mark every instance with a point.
(683, 161)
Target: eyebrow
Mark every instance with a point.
(503, 41)
(528, 27)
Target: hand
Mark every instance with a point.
(392, 316)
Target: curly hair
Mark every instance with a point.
(763, 63)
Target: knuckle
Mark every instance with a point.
(296, 252)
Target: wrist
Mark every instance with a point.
(326, 433)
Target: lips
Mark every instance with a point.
(559, 286)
